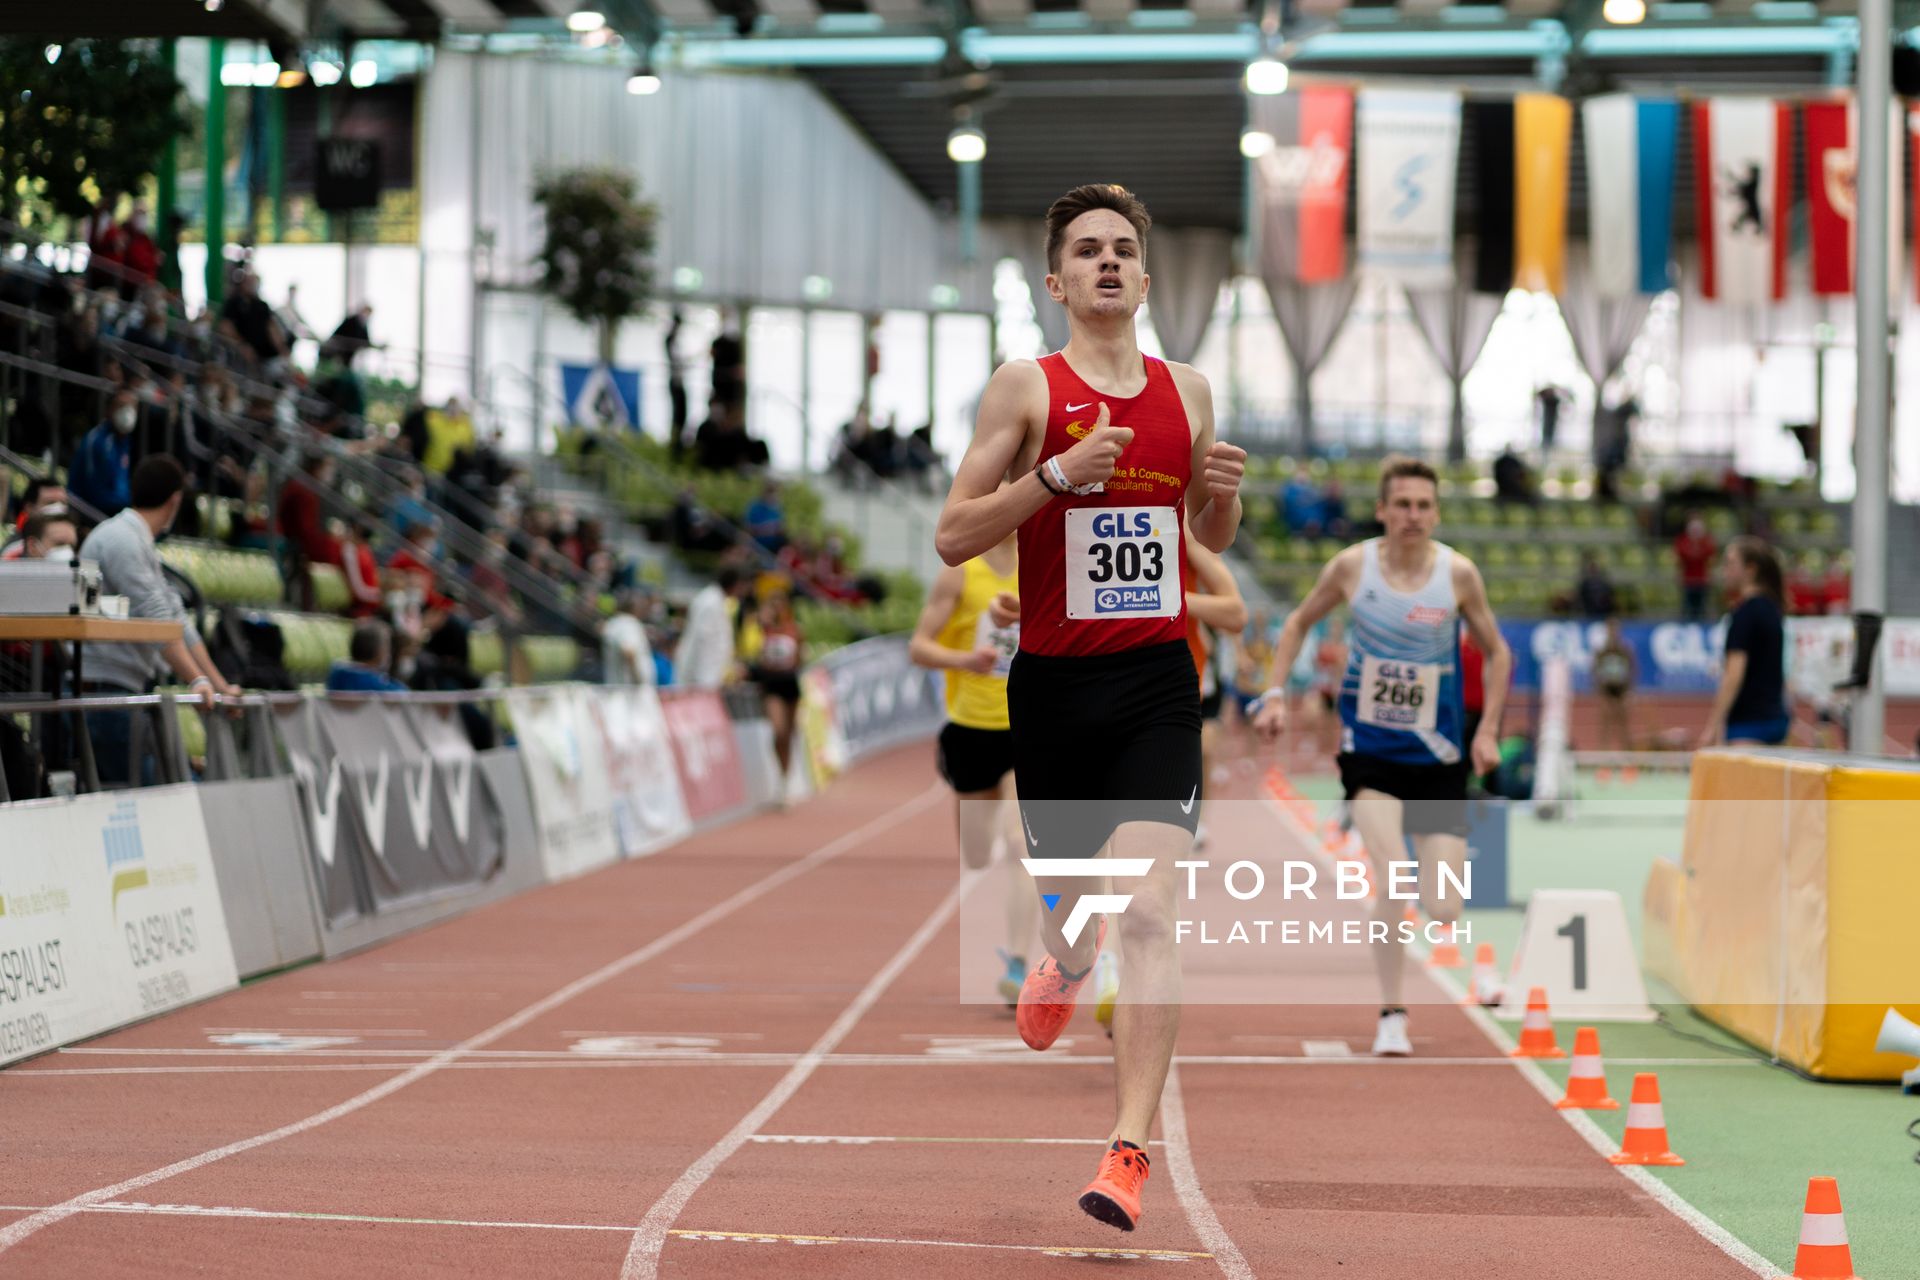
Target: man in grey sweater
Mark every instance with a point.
(129, 563)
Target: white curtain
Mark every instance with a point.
(1310, 317)
(1603, 329)
(1028, 243)
(1188, 267)
(1455, 322)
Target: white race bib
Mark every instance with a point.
(1004, 641)
(1399, 695)
(1123, 562)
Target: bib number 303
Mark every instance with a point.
(1400, 695)
(1123, 562)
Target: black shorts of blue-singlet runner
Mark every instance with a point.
(1433, 796)
(1103, 739)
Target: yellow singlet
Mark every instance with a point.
(980, 701)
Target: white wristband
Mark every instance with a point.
(1060, 478)
(198, 681)
(1258, 704)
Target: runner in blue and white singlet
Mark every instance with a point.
(1400, 700)
(1403, 764)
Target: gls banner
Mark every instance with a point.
(706, 755)
(648, 811)
(109, 913)
(1684, 657)
(394, 791)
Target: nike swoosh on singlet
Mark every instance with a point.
(1075, 408)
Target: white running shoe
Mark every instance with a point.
(1391, 1041)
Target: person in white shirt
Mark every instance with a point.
(625, 655)
(704, 658)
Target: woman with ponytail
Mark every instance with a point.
(1750, 707)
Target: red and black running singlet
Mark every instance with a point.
(1101, 573)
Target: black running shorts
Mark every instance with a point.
(973, 760)
(1434, 795)
(1103, 739)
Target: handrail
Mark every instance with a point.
(162, 698)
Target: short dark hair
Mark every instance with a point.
(369, 642)
(728, 578)
(35, 529)
(158, 477)
(1765, 564)
(1085, 199)
(1400, 467)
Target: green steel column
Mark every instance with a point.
(277, 161)
(216, 193)
(167, 195)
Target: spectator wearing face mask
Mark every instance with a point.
(102, 465)
(50, 535)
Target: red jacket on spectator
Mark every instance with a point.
(1696, 559)
(404, 561)
(300, 522)
(363, 579)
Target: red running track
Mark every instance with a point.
(745, 1057)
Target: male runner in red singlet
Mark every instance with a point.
(1101, 446)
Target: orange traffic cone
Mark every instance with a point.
(1446, 955)
(1630, 774)
(1603, 774)
(1485, 990)
(1823, 1253)
(1536, 1030)
(1646, 1140)
(1587, 1080)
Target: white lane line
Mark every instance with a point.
(864, 1140)
(1186, 1184)
(14, 1233)
(643, 1253)
(1597, 1138)
(682, 1233)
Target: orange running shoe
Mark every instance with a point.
(1047, 998)
(1114, 1196)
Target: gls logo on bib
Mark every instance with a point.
(1121, 561)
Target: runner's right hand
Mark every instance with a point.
(981, 661)
(1092, 460)
(1271, 720)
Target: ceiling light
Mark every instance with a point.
(53, 54)
(236, 75)
(642, 84)
(213, 6)
(816, 288)
(967, 145)
(324, 74)
(1254, 144)
(944, 296)
(291, 78)
(688, 279)
(1624, 13)
(363, 73)
(587, 20)
(1266, 76)
(266, 74)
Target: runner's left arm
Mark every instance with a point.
(1217, 467)
(1215, 599)
(1471, 591)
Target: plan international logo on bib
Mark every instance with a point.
(1127, 600)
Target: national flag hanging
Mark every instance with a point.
(1630, 144)
(1542, 138)
(1408, 148)
(1493, 179)
(1301, 184)
(1832, 145)
(1740, 197)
